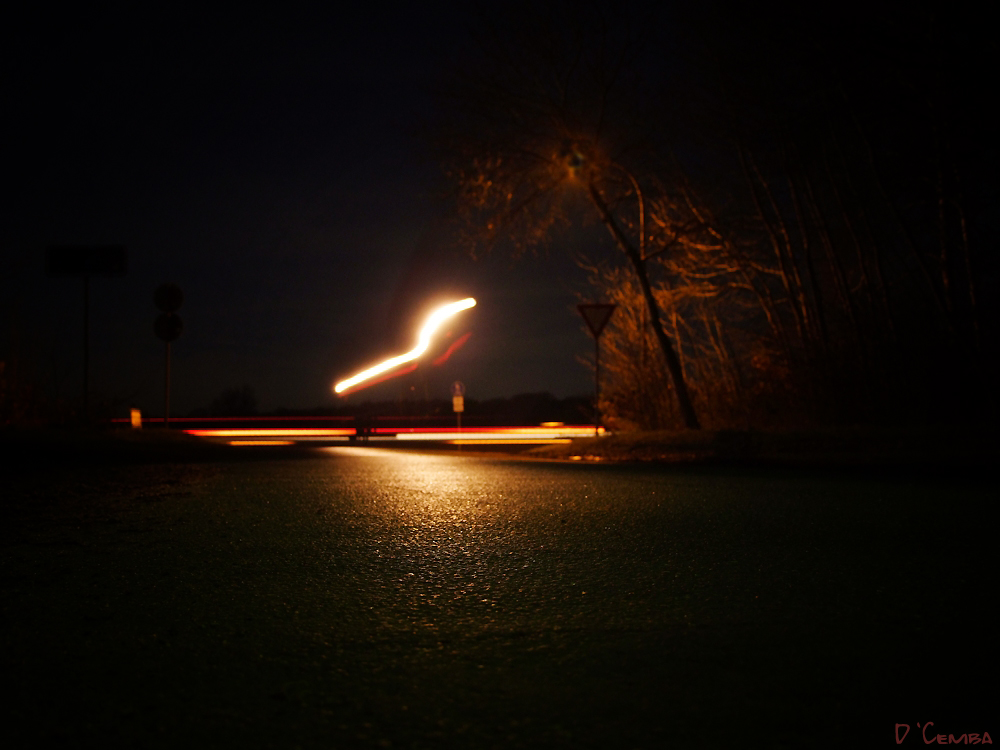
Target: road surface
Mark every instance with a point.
(370, 598)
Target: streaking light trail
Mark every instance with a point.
(553, 432)
(434, 321)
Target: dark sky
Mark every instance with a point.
(270, 166)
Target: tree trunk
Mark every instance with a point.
(669, 354)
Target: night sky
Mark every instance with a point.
(276, 165)
(272, 166)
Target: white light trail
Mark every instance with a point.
(435, 319)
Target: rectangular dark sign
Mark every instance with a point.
(85, 260)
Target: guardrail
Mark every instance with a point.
(337, 430)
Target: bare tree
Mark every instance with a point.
(547, 129)
(853, 159)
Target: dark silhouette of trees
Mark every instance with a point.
(801, 197)
(850, 158)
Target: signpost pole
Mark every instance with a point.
(597, 383)
(166, 391)
(84, 261)
(86, 348)
(458, 404)
(596, 315)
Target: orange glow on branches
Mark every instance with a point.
(434, 322)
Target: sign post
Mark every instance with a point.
(168, 327)
(458, 401)
(85, 261)
(596, 316)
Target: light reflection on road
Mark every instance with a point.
(500, 600)
(422, 490)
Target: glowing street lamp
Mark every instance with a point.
(434, 322)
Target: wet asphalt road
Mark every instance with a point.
(391, 599)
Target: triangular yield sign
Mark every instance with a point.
(596, 316)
